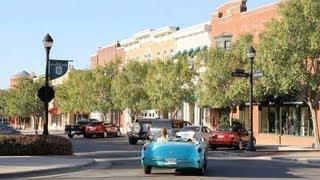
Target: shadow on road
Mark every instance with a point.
(224, 169)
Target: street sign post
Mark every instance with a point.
(258, 74)
(46, 93)
(240, 73)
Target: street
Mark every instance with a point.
(117, 159)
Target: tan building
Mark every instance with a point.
(150, 44)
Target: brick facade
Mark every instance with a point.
(233, 18)
(107, 54)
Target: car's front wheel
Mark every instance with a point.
(118, 133)
(213, 147)
(133, 141)
(240, 145)
(105, 134)
(70, 135)
(202, 170)
(147, 169)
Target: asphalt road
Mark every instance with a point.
(117, 159)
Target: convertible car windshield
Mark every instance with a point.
(185, 139)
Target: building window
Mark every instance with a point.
(224, 41)
(291, 120)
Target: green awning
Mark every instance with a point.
(184, 52)
(205, 47)
(190, 51)
(197, 49)
(177, 55)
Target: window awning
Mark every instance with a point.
(204, 47)
(54, 110)
(190, 51)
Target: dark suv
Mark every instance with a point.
(148, 129)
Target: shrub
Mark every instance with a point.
(13, 145)
(225, 121)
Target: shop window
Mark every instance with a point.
(292, 120)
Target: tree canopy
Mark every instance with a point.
(289, 53)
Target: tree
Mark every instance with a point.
(217, 88)
(168, 84)
(289, 54)
(76, 94)
(3, 102)
(22, 101)
(102, 87)
(128, 88)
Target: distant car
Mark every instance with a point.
(112, 129)
(77, 129)
(147, 128)
(96, 128)
(5, 129)
(229, 136)
(195, 131)
(175, 153)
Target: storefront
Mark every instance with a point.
(287, 124)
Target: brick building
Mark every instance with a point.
(286, 124)
(103, 56)
(106, 54)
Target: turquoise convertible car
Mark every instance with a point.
(175, 153)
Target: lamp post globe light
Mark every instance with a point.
(47, 43)
(251, 55)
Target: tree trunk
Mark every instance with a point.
(315, 124)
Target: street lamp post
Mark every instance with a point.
(47, 43)
(250, 55)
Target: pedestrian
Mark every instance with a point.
(163, 135)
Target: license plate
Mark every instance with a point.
(170, 161)
(220, 136)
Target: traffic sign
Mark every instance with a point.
(258, 74)
(46, 93)
(240, 73)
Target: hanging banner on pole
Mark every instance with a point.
(57, 68)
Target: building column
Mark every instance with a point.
(256, 122)
(186, 111)
(196, 114)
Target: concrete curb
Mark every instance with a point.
(303, 161)
(47, 171)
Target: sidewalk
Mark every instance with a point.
(283, 148)
(53, 132)
(18, 166)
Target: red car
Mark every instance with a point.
(112, 129)
(100, 129)
(229, 136)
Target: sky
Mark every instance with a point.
(78, 27)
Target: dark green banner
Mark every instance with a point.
(57, 68)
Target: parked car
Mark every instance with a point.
(229, 136)
(195, 131)
(112, 129)
(5, 130)
(96, 128)
(78, 129)
(175, 153)
(147, 129)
